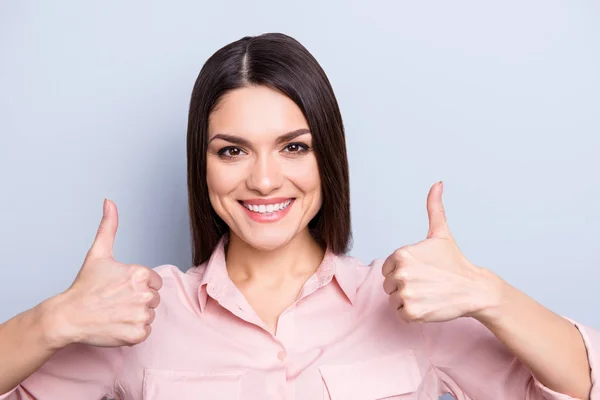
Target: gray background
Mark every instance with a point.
(501, 101)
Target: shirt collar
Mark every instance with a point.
(216, 282)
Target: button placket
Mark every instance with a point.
(286, 334)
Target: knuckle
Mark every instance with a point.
(141, 273)
(411, 312)
(156, 300)
(145, 297)
(401, 255)
(151, 316)
(142, 316)
(137, 334)
(403, 274)
(407, 293)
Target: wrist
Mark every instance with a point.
(494, 297)
(56, 325)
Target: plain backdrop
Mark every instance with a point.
(500, 100)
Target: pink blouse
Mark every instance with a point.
(339, 340)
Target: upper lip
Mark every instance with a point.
(274, 200)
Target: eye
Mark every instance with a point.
(230, 152)
(296, 148)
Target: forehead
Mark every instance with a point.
(255, 111)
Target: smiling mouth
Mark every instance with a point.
(267, 208)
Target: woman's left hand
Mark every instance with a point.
(432, 281)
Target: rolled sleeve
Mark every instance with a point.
(548, 393)
(591, 340)
(472, 363)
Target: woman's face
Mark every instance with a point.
(262, 173)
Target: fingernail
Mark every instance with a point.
(104, 206)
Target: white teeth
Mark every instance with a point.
(268, 208)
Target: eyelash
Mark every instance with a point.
(302, 148)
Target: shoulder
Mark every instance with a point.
(371, 303)
(362, 282)
(179, 287)
(171, 273)
(364, 273)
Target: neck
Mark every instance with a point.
(298, 258)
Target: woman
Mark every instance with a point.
(273, 309)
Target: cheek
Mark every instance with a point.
(220, 179)
(307, 178)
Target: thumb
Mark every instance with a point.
(105, 237)
(438, 225)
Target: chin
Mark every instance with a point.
(266, 239)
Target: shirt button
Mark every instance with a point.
(281, 355)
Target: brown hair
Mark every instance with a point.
(282, 63)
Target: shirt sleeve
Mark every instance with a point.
(76, 372)
(472, 364)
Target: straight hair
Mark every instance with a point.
(280, 62)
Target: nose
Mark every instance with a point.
(265, 175)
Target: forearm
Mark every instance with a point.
(548, 344)
(25, 345)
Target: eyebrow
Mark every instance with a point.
(286, 137)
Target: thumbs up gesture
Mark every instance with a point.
(431, 281)
(109, 304)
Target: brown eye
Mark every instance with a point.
(230, 152)
(296, 148)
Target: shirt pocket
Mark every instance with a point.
(160, 384)
(392, 376)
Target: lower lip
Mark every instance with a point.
(268, 217)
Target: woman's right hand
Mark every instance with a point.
(109, 304)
